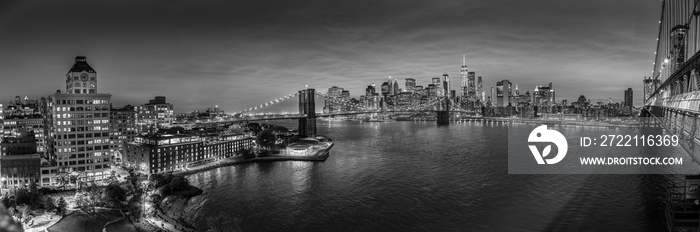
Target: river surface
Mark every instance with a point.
(416, 176)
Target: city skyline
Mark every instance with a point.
(212, 56)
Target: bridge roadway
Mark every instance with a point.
(298, 116)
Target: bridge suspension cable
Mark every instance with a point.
(675, 13)
(343, 103)
(270, 103)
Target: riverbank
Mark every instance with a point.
(316, 156)
(631, 123)
(82, 221)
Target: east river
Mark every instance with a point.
(416, 176)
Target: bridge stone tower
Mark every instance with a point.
(307, 105)
(443, 113)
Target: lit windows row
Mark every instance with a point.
(81, 122)
(96, 115)
(83, 128)
(82, 142)
(81, 101)
(80, 108)
(82, 149)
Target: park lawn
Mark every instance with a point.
(80, 221)
(42, 220)
(121, 226)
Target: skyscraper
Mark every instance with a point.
(397, 90)
(463, 75)
(371, 97)
(503, 92)
(446, 84)
(410, 84)
(370, 90)
(333, 97)
(472, 85)
(438, 86)
(544, 95)
(480, 90)
(628, 98)
(80, 125)
(386, 90)
(391, 87)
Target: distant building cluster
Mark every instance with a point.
(504, 99)
(389, 95)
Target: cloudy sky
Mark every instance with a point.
(238, 54)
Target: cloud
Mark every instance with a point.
(236, 53)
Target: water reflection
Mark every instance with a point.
(301, 173)
(416, 176)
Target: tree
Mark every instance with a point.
(266, 139)
(62, 179)
(34, 196)
(61, 206)
(91, 198)
(6, 200)
(159, 180)
(26, 217)
(247, 153)
(49, 204)
(178, 183)
(22, 196)
(32, 187)
(112, 179)
(115, 194)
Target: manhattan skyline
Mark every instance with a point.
(243, 53)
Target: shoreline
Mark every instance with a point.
(318, 156)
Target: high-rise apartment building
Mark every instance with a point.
(122, 128)
(629, 98)
(157, 113)
(79, 125)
